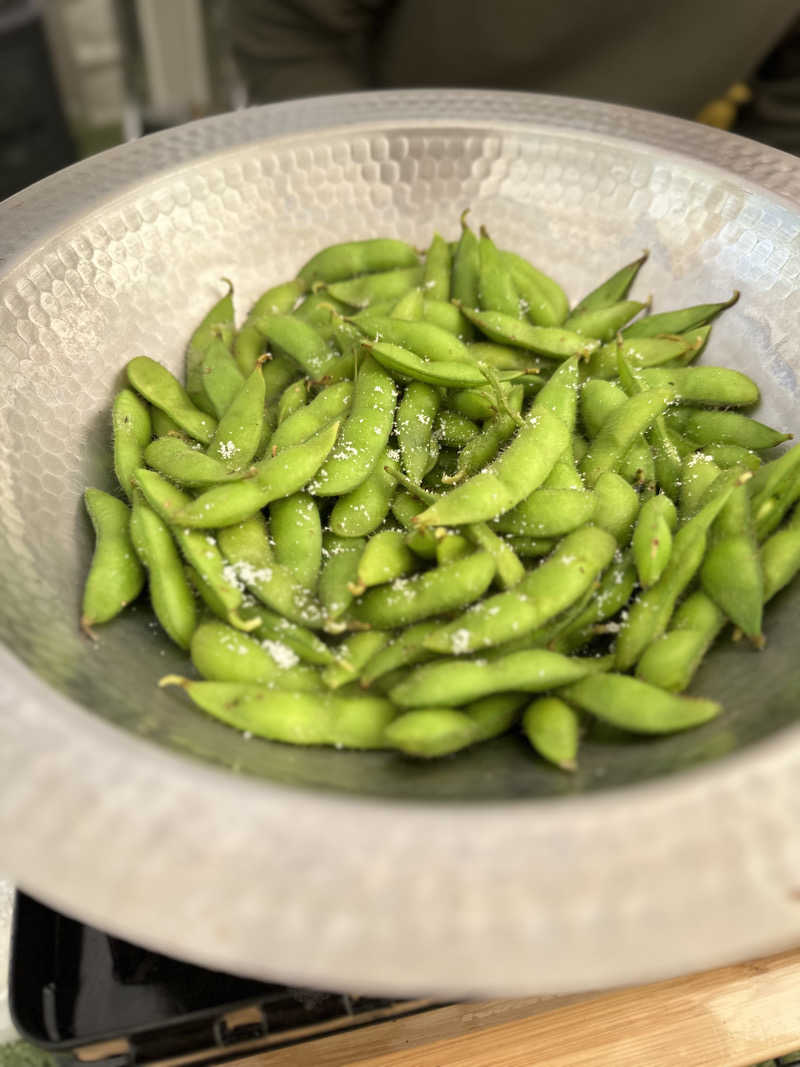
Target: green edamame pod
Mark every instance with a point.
(484, 446)
(328, 405)
(438, 264)
(714, 386)
(273, 478)
(610, 597)
(777, 487)
(652, 538)
(217, 323)
(409, 308)
(408, 600)
(544, 593)
(353, 653)
(639, 353)
(560, 393)
(319, 309)
(520, 469)
(780, 556)
(447, 317)
(731, 572)
(662, 461)
(155, 383)
(452, 682)
(450, 374)
(220, 376)
(638, 465)
(404, 650)
(508, 565)
(279, 371)
(670, 322)
(241, 429)
(612, 290)
(478, 403)
(361, 511)
(220, 588)
(616, 505)
(604, 323)
(340, 261)
(454, 430)
(774, 475)
(650, 614)
(531, 547)
(553, 729)
(451, 547)
(291, 716)
(551, 341)
(502, 357)
(386, 557)
(363, 435)
(726, 428)
(162, 424)
(580, 446)
(599, 399)
(250, 342)
(423, 339)
(296, 530)
(413, 426)
(548, 513)
(495, 715)
(183, 464)
(293, 397)
(496, 288)
(671, 661)
(115, 575)
(340, 556)
(727, 456)
(620, 430)
(370, 288)
(546, 301)
(222, 654)
(464, 280)
(405, 508)
(299, 639)
(509, 568)
(431, 732)
(301, 342)
(698, 472)
(170, 594)
(251, 563)
(132, 429)
(634, 705)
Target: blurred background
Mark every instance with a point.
(78, 76)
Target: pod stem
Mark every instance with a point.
(174, 679)
(235, 619)
(423, 495)
(502, 403)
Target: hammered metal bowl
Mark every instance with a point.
(488, 873)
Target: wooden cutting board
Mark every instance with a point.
(730, 1017)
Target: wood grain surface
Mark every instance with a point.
(730, 1017)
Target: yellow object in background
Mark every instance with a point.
(723, 111)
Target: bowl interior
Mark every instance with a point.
(135, 275)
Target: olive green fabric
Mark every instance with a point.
(672, 57)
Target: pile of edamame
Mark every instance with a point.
(416, 501)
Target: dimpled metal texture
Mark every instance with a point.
(488, 873)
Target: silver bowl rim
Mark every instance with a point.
(94, 820)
